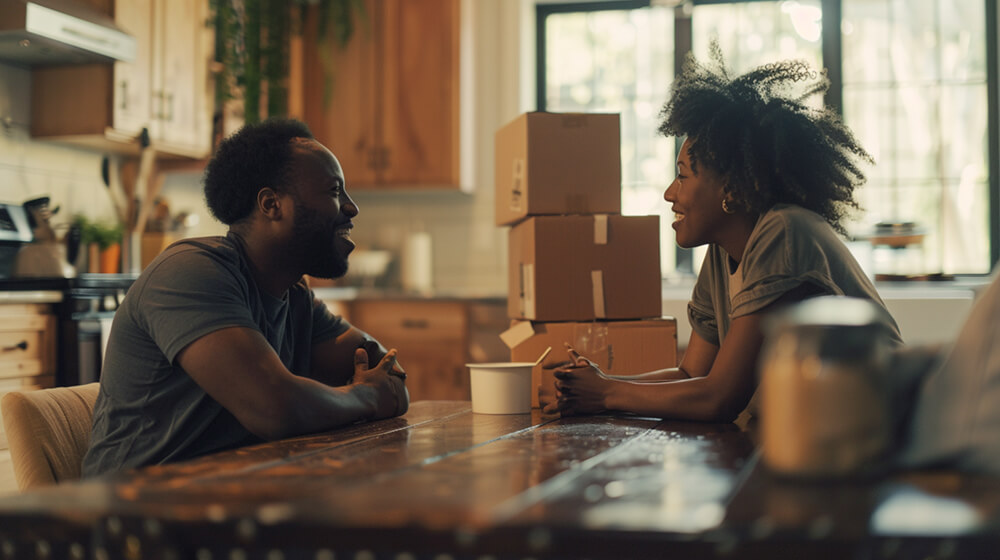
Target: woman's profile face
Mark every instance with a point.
(696, 200)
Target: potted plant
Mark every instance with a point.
(252, 46)
(103, 243)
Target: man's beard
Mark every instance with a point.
(316, 246)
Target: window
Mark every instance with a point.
(619, 61)
(914, 80)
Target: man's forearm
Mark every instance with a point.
(313, 406)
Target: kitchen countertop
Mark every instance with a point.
(83, 281)
(351, 294)
(31, 296)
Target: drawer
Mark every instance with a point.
(424, 321)
(27, 344)
(10, 322)
(8, 310)
(18, 345)
(432, 339)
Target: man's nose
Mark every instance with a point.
(348, 206)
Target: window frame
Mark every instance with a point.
(831, 48)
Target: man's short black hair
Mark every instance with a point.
(256, 156)
(756, 131)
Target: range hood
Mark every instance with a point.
(58, 32)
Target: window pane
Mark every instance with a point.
(915, 94)
(620, 61)
(755, 33)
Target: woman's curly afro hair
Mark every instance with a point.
(756, 131)
(256, 156)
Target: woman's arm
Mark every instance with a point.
(697, 361)
(719, 385)
(721, 379)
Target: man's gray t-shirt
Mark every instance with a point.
(790, 246)
(149, 410)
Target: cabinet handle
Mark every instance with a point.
(158, 108)
(124, 95)
(169, 117)
(160, 113)
(415, 324)
(23, 345)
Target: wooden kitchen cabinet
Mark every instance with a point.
(392, 117)
(435, 338)
(166, 89)
(432, 339)
(27, 349)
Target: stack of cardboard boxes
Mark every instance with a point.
(579, 272)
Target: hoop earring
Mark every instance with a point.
(726, 208)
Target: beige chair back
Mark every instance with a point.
(48, 432)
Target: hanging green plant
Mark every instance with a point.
(252, 46)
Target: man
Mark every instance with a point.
(220, 343)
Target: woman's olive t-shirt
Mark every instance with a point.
(790, 246)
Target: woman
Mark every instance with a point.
(765, 182)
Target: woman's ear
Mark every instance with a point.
(729, 204)
(269, 203)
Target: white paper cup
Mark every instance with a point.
(501, 388)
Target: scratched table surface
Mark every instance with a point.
(442, 482)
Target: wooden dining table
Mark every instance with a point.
(442, 482)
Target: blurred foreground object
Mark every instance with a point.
(956, 421)
(824, 407)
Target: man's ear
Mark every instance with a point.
(269, 203)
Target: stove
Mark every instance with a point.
(84, 315)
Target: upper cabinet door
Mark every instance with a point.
(339, 99)
(420, 89)
(179, 72)
(131, 96)
(165, 89)
(392, 115)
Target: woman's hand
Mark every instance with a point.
(581, 386)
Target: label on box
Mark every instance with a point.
(517, 185)
(528, 290)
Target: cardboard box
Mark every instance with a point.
(558, 163)
(617, 347)
(580, 268)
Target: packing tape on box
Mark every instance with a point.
(601, 229)
(591, 337)
(597, 281)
